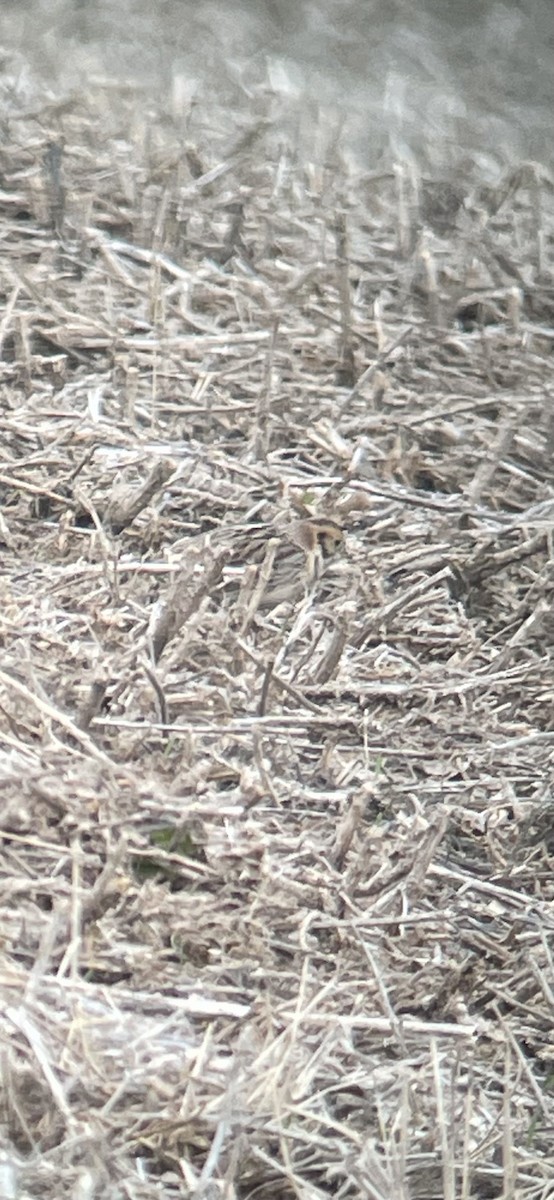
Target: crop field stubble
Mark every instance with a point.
(276, 884)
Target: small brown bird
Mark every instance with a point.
(272, 566)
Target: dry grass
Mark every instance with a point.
(276, 892)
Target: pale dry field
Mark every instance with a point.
(276, 898)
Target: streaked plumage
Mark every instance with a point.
(271, 566)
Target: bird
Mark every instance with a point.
(270, 564)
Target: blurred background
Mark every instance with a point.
(438, 78)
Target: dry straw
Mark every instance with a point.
(276, 885)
